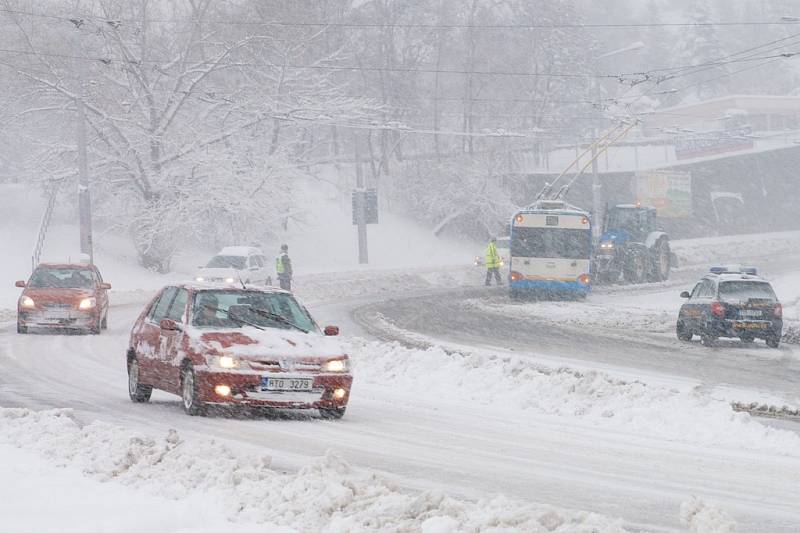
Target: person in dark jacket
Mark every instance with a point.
(283, 267)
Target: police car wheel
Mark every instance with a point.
(773, 342)
(685, 336)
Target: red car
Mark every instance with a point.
(258, 347)
(65, 297)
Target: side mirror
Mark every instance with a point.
(685, 294)
(167, 324)
(331, 331)
(105, 286)
(20, 284)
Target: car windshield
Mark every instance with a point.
(553, 243)
(61, 278)
(741, 291)
(236, 262)
(237, 308)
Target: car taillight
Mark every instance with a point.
(717, 309)
(778, 311)
(516, 276)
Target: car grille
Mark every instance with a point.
(272, 365)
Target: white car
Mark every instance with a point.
(503, 248)
(237, 264)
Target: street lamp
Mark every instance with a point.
(597, 191)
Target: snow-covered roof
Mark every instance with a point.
(240, 250)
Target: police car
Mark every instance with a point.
(731, 301)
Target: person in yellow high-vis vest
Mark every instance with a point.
(493, 262)
(283, 267)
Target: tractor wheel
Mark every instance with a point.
(660, 261)
(635, 270)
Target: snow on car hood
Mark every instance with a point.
(271, 342)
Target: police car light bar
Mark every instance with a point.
(734, 269)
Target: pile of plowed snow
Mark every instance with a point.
(517, 384)
(327, 495)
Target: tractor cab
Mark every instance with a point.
(629, 222)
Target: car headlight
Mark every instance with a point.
(27, 302)
(337, 365)
(223, 361)
(87, 303)
(200, 279)
(229, 280)
(608, 245)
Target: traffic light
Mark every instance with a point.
(365, 204)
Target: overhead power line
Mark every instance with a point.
(407, 25)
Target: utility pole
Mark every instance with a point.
(84, 196)
(597, 187)
(360, 205)
(597, 196)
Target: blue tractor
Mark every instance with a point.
(631, 248)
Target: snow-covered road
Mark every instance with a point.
(474, 427)
(584, 405)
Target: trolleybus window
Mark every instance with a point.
(556, 243)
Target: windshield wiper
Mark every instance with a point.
(234, 318)
(277, 318)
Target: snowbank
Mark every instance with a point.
(699, 517)
(518, 385)
(327, 495)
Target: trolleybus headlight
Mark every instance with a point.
(516, 276)
(584, 279)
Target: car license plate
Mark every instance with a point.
(750, 313)
(749, 325)
(286, 384)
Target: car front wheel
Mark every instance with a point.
(139, 393)
(191, 403)
(21, 329)
(683, 334)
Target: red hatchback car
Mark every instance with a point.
(63, 296)
(258, 347)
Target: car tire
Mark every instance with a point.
(773, 342)
(683, 335)
(95, 330)
(191, 403)
(332, 414)
(708, 340)
(104, 323)
(138, 393)
(22, 330)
